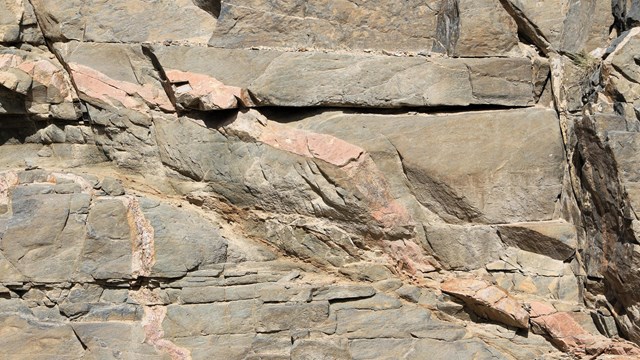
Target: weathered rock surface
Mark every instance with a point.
(182, 179)
(351, 80)
(488, 301)
(440, 26)
(33, 82)
(563, 25)
(467, 167)
(567, 334)
(18, 23)
(104, 21)
(382, 81)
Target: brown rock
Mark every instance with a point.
(125, 21)
(470, 28)
(488, 301)
(556, 239)
(38, 84)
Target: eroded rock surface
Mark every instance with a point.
(182, 179)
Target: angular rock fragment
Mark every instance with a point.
(107, 253)
(122, 96)
(279, 317)
(339, 79)
(33, 82)
(42, 239)
(176, 252)
(341, 293)
(568, 335)
(523, 272)
(488, 301)
(18, 23)
(127, 81)
(464, 248)
(26, 337)
(405, 322)
(563, 25)
(328, 167)
(201, 92)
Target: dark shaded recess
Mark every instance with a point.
(625, 16)
(528, 31)
(289, 114)
(21, 129)
(607, 219)
(11, 102)
(447, 28)
(15, 129)
(211, 6)
(214, 119)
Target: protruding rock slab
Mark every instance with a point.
(460, 247)
(323, 176)
(488, 301)
(468, 28)
(358, 80)
(125, 21)
(382, 81)
(481, 167)
(33, 82)
(570, 336)
(128, 81)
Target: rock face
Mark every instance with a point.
(319, 180)
(443, 26)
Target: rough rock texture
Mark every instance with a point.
(443, 179)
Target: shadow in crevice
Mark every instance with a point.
(213, 7)
(18, 129)
(213, 119)
(288, 114)
(292, 114)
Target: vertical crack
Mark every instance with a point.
(527, 29)
(84, 346)
(147, 50)
(447, 28)
(80, 105)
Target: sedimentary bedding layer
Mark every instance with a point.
(196, 179)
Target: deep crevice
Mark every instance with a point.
(527, 29)
(84, 346)
(213, 7)
(290, 114)
(147, 50)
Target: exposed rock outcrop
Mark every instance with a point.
(345, 179)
